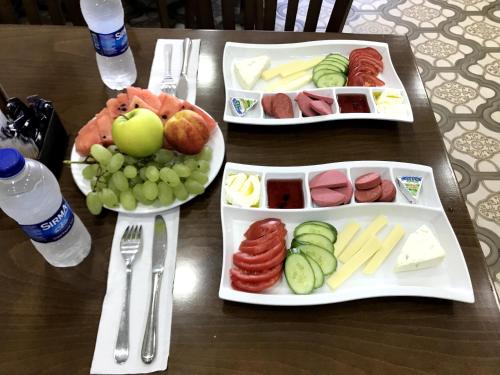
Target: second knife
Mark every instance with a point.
(159, 254)
(182, 86)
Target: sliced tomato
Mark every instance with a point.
(254, 287)
(262, 257)
(370, 81)
(254, 277)
(275, 232)
(262, 246)
(368, 51)
(367, 61)
(354, 80)
(255, 267)
(261, 227)
(370, 69)
(359, 55)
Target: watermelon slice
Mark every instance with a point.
(87, 136)
(170, 105)
(133, 91)
(104, 125)
(118, 105)
(137, 102)
(146, 96)
(151, 99)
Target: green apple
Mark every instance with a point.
(138, 133)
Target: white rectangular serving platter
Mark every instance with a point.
(282, 53)
(450, 280)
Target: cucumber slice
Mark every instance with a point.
(328, 225)
(331, 80)
(299, 274)
(321, 73)
(317, 227)
(334, 63)
(338, 56)
(334, 68)
(335, 60)
(315, 239)
(319, 278)
(324, 258)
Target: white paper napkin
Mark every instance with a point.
(158, 67)
(103, 361)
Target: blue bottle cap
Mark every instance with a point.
(11, 162)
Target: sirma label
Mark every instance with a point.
(54, 228)
(112, 44)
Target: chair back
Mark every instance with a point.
(335, 24)
(257, 14)
(59, 12)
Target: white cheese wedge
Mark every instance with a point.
(388, 244)
(372, 229)
(248, 70)
(421, 250)
(369, 248)
(345, 235)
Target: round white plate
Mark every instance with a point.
(216, 143)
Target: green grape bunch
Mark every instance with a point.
(164, 177)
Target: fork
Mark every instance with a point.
(130, 246)
(167, 84)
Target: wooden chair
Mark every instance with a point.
(258, 14)
(59, 12)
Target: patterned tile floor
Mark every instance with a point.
(457, 47)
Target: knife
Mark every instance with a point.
(182, 86)
(159, 254)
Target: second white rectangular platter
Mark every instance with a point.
(283, 53)
(449, 280)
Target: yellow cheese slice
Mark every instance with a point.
(290, 68)
(369, 248)
(372, 229)
(300, 66)
(298, 82)
(345, 236)
(388, 244)
(274, 72)
(280, 84)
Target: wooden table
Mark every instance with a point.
(49, 316)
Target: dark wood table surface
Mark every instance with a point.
(49, 316)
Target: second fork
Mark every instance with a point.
(130, 246)
(167, 84)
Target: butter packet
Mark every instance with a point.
(410, 187)
(240, 106)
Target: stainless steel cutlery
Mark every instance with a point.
(130, 246)
(182, 86)
(159, 254)
(167, 84)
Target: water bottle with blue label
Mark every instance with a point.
(105, 19)
(30, 194)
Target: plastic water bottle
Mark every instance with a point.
(105, 19)
(30, 194)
